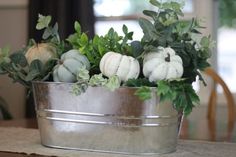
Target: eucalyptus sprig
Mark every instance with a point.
(51, 33)
(17, 67)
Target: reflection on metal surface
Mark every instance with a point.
(105, 121)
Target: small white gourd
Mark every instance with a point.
(162, 65)
(125, 67)
(69, 65)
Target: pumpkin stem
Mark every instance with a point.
(167, 59)
(60, 62)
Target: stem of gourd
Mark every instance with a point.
(60, 62)
(167, 59)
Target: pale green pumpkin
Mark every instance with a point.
(69, 65)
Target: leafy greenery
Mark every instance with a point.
(97, 80)
(95, 48)
(16, 65)
(139, 82)
(113, 83)
(144, 93)
(84, 80)
(51, 34)
(168, 30)
(18, 69)
(180, 93)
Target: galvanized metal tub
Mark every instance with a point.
(104, 121)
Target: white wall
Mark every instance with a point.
(13, 32)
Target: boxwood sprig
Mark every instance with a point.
(96, 47)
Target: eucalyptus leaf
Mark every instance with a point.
(47, 33)
(125, 29)
(147, 27)
(150, 13)
(136, 48)
(155, 3)
(32, 75)
(36, 66)
(18, 58)
(55, 29)
(43, 21)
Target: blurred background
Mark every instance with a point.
(18, 19)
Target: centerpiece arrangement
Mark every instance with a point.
(110, 93)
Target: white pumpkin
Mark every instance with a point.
(69, 65)
(162, 65)
(42, 52)
(125, 67)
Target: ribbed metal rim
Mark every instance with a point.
(120, 124)
(142, 117)
(107, 116)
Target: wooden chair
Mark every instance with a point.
(211, 113)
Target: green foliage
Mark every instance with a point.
(95, 48)
(144, 93)
(83, 74)
(81, 42)
(113, 83)
(79, 88)
(43, 22)
(162, 28)
(97, 80)
(180, 93)
(168, 30)
(139, 82)
(51, 34)
(16, 65)
(18, 69)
